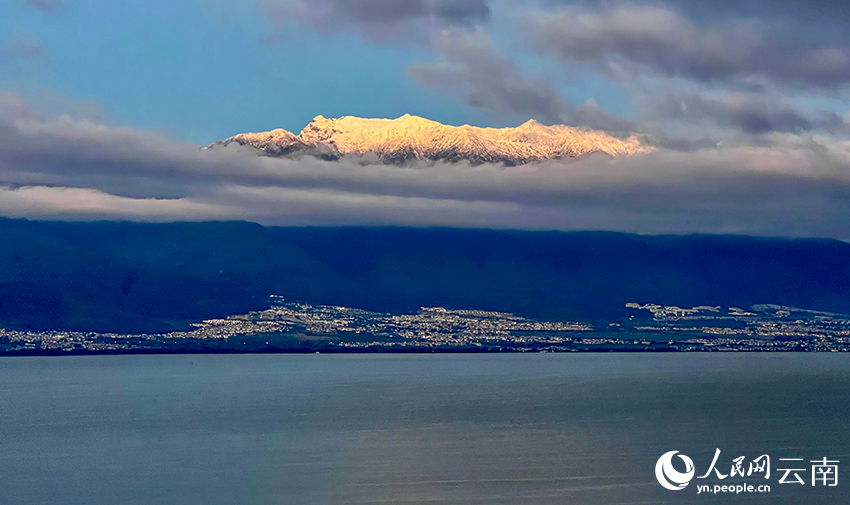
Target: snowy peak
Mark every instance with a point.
(414, 138)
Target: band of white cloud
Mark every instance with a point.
(60, 168)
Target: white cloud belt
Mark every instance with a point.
(60, 168)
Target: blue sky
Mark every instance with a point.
(201, 71)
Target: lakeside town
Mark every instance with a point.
(294, 327)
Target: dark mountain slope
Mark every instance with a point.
(128, 277)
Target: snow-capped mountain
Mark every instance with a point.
(410, 138)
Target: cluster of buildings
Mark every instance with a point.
(295, 327)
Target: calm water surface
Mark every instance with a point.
(435, 429)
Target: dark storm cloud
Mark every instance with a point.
(751, 113)
(474, 69)
(751, 66)
(60, 168)
(461, 12)
(626, 40)
(758, 49)
(592, 115)
(826, 12)
(379, 21)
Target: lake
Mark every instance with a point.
(407, 429)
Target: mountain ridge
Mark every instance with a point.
(408, 138)
(152, 278)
